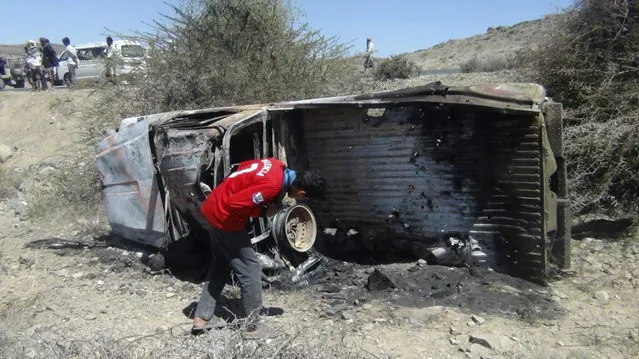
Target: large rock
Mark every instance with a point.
(26, 259)
(336, 309)
(5, 153)
(379, 281)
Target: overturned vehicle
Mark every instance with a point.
(455, 175)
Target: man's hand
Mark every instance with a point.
(271, 210)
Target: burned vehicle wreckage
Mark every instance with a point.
(451, 174)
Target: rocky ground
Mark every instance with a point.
(98, 300)
(93, 297)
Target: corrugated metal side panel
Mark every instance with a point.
(415, 174)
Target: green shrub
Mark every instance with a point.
(489, 64)
(397, 67)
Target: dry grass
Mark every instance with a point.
(70, 188)
(9, 180)
(174, 342)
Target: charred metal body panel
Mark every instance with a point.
(405, 168)
(132, 196)
(417, 173)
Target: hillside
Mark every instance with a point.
(496, 42)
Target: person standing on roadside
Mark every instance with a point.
(370, 49)
(71, 56)
(111, 59)
(256, 187)
(49, 61)
(33, 65)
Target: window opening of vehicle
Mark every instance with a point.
(132, 51)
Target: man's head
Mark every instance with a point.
(309, 184)
(109, 40)
(43, 41)
(66, 41)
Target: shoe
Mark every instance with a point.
(195, 331)
(218, 323)
(260, 331)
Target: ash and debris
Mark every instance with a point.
(342, 286)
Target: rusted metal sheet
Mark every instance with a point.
(524, 97)
(131, 193)
(417, 173)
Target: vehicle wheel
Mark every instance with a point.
(19, 84)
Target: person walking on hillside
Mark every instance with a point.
(111, 59)
(33, 65)
(71, 56)
(370, 49)
(256, 187)
(49, 61)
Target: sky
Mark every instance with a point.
(396, 26)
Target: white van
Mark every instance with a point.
(92, 56)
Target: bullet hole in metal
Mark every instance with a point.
(413, 157)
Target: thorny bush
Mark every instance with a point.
(591, 65)
(232, 52)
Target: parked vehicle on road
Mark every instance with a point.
(92, 58)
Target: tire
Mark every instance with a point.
(19, 84)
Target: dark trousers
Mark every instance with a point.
(231, 250)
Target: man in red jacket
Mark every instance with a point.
(256, 187)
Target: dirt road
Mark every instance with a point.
(99, 301)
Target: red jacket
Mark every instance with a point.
(244, 193)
